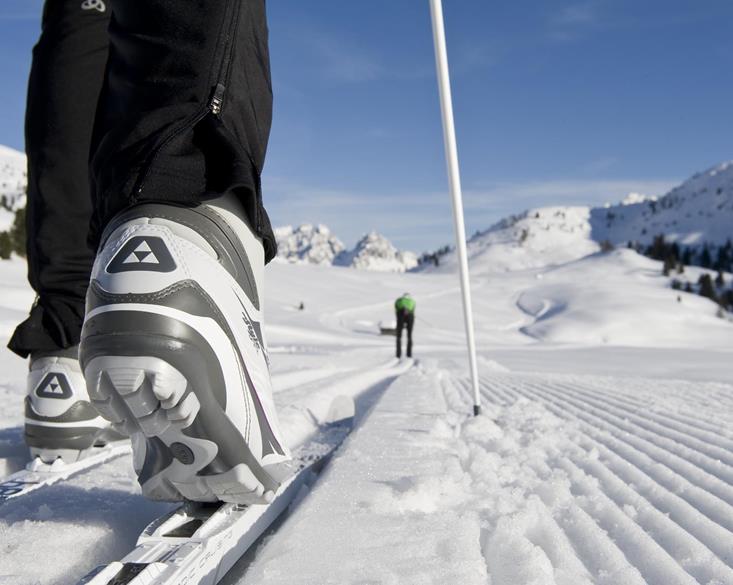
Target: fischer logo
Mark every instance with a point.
(94, 5)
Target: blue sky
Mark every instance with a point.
(557, 102)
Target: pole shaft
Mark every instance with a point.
(454, 181)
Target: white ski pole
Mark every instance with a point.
(454, 180)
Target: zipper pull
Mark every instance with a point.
(217, 99)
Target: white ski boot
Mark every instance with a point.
(60, 422)
(173, 351)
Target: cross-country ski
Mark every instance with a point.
(197, 544)
(38, 474)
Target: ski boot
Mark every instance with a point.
(172, 350)
(60, 422)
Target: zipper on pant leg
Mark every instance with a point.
(216, 101)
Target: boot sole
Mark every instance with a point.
(163, 394)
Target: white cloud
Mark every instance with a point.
(576, 14)
(574, 19)
(341, 62)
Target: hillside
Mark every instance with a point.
(699, 211)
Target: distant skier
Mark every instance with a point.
(405, 314)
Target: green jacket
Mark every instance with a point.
(405, 303)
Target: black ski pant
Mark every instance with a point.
(405, 320)
(135, 101)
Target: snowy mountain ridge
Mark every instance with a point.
(697, 212)
(307, 244)
(375, 252)
(315, 244)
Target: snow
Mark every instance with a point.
(13, 182)
(698, 211)
(309, 244)
(375, 252)
(538, 237)
(603, 454)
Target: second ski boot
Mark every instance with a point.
(60, 422)
(173, 351)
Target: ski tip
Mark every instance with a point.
(342, 409)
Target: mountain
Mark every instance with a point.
(375, 252)
(308, 244)
(698, 211)
(13, 182)
(534, 238)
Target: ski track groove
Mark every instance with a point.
(699, 554)
(718, 450)
(701, 461)
(628, 485)
(662, 418)
(705, 503)
(678, 464)
(599, 553)
(621, 388)
(654, 563)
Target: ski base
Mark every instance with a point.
(197, 544)
(38, 474)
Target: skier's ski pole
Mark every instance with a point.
(454, 179)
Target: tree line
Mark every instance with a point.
(675, 257)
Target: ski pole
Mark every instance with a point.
(454, 180)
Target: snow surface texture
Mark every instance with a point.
(603, 454)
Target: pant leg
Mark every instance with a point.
(63, 89)
(410, 323)
(400, 326)
(186, 108)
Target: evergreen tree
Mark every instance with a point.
(668, 266)
(18, 233)
(724, 260)
(687, 257)
(719, 280)
(658, 248)
(674, 251)
(707, 289)
(727, 298)
(6, 245)
(705, 258)
(688, 288)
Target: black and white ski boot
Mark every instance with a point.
(173, 351)
(60, 422)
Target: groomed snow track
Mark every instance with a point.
(650, 466)
(565, 479)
